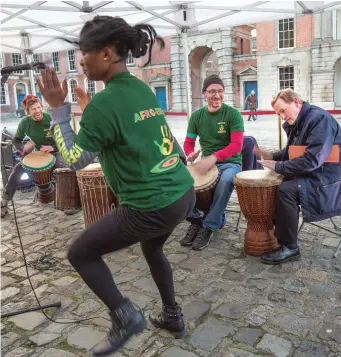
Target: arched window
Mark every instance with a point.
(4, 94)
(90, 86)
(72, 84)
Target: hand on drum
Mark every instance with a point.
(82, 98)
(50, 88)
(47, 148)
(265, 155)
(193, 156)
(205, 164)
(28, 147)
(270, 164)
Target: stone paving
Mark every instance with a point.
(233, 305)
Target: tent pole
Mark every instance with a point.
(29, 58)
(33, 88)
(187, 74)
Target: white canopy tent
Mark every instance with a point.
(35, 26)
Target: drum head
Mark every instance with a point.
(258, 178)
(203, 181)
(92, 169)
(38, 161)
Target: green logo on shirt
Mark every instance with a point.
(166, 148)
(221, 129)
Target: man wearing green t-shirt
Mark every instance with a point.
(221, 130)
(35, 126)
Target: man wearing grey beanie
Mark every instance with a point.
(220, 128)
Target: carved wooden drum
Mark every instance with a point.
(96, 196)
(256, 191)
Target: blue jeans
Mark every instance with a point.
(215, 218)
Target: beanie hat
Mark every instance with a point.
(28, 98)
(212, 79)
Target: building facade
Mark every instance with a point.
(303, 53)
(67, 65)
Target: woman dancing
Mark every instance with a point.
(125, 127)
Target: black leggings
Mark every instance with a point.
(122, 228)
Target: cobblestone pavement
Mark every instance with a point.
(233, 305)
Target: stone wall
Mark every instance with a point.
(325, 52)
(267, 73)
(222, 43)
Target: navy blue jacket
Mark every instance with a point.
(319, 183)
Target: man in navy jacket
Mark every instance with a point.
(310, 182)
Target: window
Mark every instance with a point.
(55, 61)
(337, 24)
(17, 60)
(286, 33)
(90, 87)
(36, 58)
(71, 55)
(130, 60)
(72, 93)
(4, 94)
(286, 78)
(253, 44)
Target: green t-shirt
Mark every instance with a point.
(140, 162)
(37, 131)
(214, 129)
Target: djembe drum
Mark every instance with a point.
(256, 191)
(67, 190)
(96, 196)
(40, 165)
(204, 186)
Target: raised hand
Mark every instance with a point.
(50, 88)
(82, 97)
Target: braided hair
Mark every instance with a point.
(105, 31)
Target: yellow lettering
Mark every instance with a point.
(152, 113)
(142, 115)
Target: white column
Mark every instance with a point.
(187, 75)
(178, 102)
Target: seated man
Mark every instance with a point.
(36, 126)
(310, 182)
(220, 129)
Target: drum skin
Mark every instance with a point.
(204, 186)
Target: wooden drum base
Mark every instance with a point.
(257, 242)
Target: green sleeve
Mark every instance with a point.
(96, 130)
(192, 129)
(236, 122)
(21, 131)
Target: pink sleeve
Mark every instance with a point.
(233, 148)
(189, 145)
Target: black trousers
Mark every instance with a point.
(124, 227)
(287, 212)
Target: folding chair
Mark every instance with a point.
(336, 229)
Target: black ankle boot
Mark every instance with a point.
(171, 320)
(126, 322)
